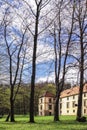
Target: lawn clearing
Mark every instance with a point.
(43, 123)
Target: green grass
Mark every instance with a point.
(43, 123)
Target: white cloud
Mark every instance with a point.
(71, 77)
(44, 53)
(49, 78)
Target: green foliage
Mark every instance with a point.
(4, 100)
(21, 105)
(43, 123)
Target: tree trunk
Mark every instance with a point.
(12, 105)
(56, 108)
(7, 118)
(12, 111)
(33, 70)
(79, 110)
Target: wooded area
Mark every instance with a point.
(40, 38)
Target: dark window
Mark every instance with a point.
(41, 113)
(84, 110)
(60, 112)
(74, 97)
(67, 98)
(41, 107)
(67, 111)
(50, 113)
(73, 111)
(67, 105)
(85, 103)
(50, 107)
(73, 104)
(84, 94)
(60, 105)
(50, 100)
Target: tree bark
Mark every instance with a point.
(34, 68)
(81, 35)
(56, 108)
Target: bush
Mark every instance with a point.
(82, 119)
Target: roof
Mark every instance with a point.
(47, 94)
(66, 93)
(72, 91)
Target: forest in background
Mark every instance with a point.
(22, 100)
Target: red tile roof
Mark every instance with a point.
(47, 94)
(68, 92)
(72, 91)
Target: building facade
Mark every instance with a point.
(67, 105)
(69, 101)
(46, 104)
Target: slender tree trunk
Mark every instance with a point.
(80, 21)
(12, 105)
(34, 70)
(7, 118)
(79, 110)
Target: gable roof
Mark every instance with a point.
(47, 94)
(72, 91)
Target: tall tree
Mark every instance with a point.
(81, 16)
(61, 49)
(13, 50)
(39, 5)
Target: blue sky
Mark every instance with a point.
(45, 62)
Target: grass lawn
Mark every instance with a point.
(43, 123)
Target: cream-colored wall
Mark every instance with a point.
(69, 111)
(45, 106)
(65, 111)
(84, 107)
(72, 110)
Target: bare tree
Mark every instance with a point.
(80, 18)
(31, 19)
(61, 50)
(14, 51)
(39, 5)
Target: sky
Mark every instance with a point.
(22, 16)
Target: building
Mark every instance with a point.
(46, 104)
(68, 102)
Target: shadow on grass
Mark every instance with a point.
(2, 128)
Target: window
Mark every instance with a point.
(85, 103)
(84, 94)
(60, 105)
(54, 99)
(50, 113)
(74, 97)
(67, 111)
(50, 107)
(73, 111)
(41, 113)
(84, 110)
(67, 105)
(41, 107)
(60, 112)
(41, 100)
(67, 98)
(50, 100)
(73, 104)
